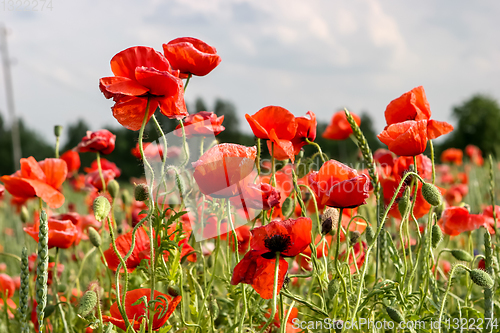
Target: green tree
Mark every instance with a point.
(478, 119)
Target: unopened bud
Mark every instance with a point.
(25, 215)
(395, 314)
(404, 202)
(354, 237)
(214, 308)
(369, 234)
(126, 198)
(481, 278)
(49, 309)
(87, 303)
(174, 291)
(113, 188)
(333, 288)
(94, 237)
(437, 235)
(141, 192)
(431, 194)
(58, 130)
(101, 207)
(462, 255)
(440, 209)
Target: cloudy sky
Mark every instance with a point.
(302, 55)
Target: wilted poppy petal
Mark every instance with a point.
(129, 111)
(125, 62)
(437, 128)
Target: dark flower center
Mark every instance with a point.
(276, 243)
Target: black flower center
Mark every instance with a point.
(276, 243)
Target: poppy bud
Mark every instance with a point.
(61, 288)
(329, 219)
(481, 278)
(333, 288)
(127, 200)
(25, 215)
(431, 194)
(440, 209)
(49, 309)
(404, 202)
(395, 314)
(101, 207)
(466, 206)
(141, 192)
(437, 235)
(94, 237)
(369, 234)
(113, 188)
(214, 309)
(462, 255)
(58, 130)
(288, 207)
(354, 237)
(87, 303)
(174, 291)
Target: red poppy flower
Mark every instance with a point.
(456, 220)
(402, 166)
(288, 237)
(94, 179)
(455, 194)
(337, 185)
(123, 244)
(339, 128)
(151, 151)
(452, 155)
(62, 233)
(41, 179)
(77, 182)
(385, 159)
(141, 73)
(102, 141)
(258, 272)
(220, 169)
(475, 154)
(164, 307)
(488, 211)
(7, 286)
(276, 124)
(72, 159)
(191, 56)
(105, 165)
(257, 196)
(203, 123)
(284, 182)
(306, 129)
(409, 126)
(243, 236)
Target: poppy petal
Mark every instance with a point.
(55, 171)
(285, 145)
(159, 83)
(277, 118)
(31, 169)
(129, 111)
(263, 281)
(174, 107)
(437, 128)
(121, 85)
(299, 231)
(50, 195)
(125, 62)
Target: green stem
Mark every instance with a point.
(187, 81)
(319, 149)
(441, 310)
(56, 283)
(100, 171)
(275, 291)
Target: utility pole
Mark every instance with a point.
(16, 140)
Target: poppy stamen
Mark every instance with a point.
(277, 243)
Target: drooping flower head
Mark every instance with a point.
(203, 123)
(38, 179)
(143, 74)
(191, 56)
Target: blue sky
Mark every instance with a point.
(302, 55)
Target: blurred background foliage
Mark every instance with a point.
(477, 122)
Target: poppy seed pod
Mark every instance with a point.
(354, 237)
(462, 255)
(174, 291)
(58, 130)
(101, 207)
(25, 215)
(437, 235)
(332, 215)
(431, 194)
(94, 237)
(395, 314)
(481, 278)
(141, 192)
(87, 303)
(113, 188)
